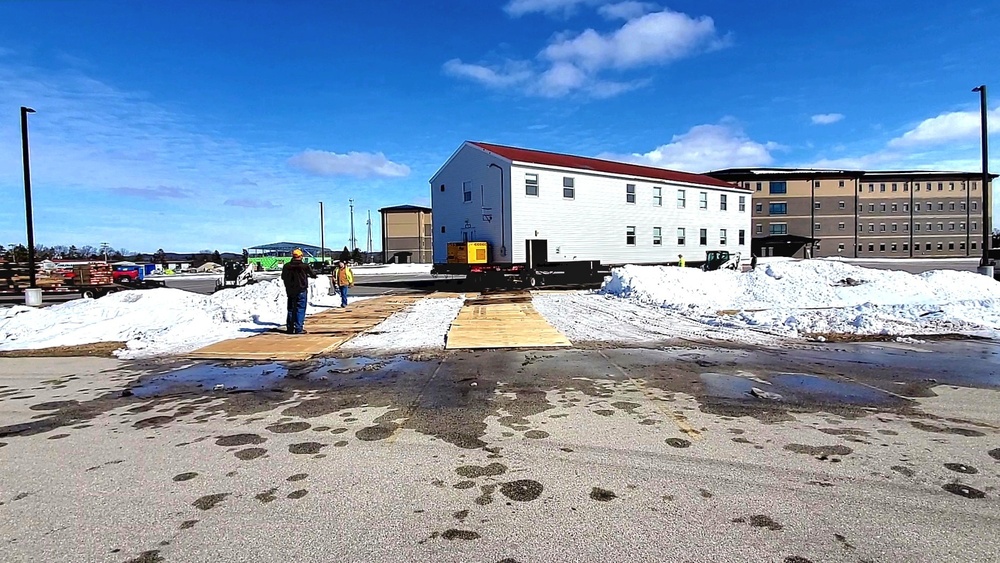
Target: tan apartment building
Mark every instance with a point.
(863, 214)
(407, 234)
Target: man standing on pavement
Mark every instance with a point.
(295, 275)
(343, 278)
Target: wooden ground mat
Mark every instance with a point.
(507, 323)
(325, 332)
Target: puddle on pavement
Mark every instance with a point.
(248, 377)
(794, 388)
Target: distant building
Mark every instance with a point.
(863, 214)
(407, 234)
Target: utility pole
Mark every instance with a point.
(368, 251)
(354, 241)
(27, 196)
(985, 266)
(322, 237)
(104, 250)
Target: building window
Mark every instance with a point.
(906, 247)
(871, 248)
(466, 192)
(780, 208)
(940, 188)
(816, 227)
(881, 227)
(569, 189)
(927, 246)
(961, 206)
(442, 187)
(894, 227)
(758, 186)
(881, 247)
(841, 204)
(703, 200)
(841, 185)
(779, 229)
(722, 237)
(951, 246)
(703, 237)
(974, 185)
(871, 227)
(961, 226)
(860, 227)
(951, 186)
(871, 208)
(974, 226)
(680, 236)
(906, 187)
(975, 205)
(892, 247)
(746, 185)
(906, 227)
(916, 207)
(961, 246)
(657, 196)
(816, 205)
(951, 206)
(973, 246)
(442, 228)
(758, 207)
(629, 193)
(906, 207)
(940, 246)
(657, 238)
(940, 206)
(916, 186)
(841, 226)
(759, 228)
(681, 199)
(815, 183)
(777, 187)
(916, 226)
(743, 238)
(894, 208)
(894, 188)
(840, 247)
(881, 207)
(881, 187)
(940, 226)
(743, 203)
(531, 184)
(951, 226)
(930, 226)
(722, 202)
(630, 236)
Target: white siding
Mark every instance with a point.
(592, 226)
(449, 210)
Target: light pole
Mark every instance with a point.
(503, 226)
(27, 196)
(322, 238)
(985, 266)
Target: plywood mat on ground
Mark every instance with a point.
(325, 332)
(503, 324)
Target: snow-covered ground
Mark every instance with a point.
(157, 322)
(779, 299)
(422, 326)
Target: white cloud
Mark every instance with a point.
(826, 118)
(655, 38)
(947, 127)
(516, 8)
(251, 203)
(156, 192)
(627, 10)
(357, 164)
(703, 148)
(575, 63)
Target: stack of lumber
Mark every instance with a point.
(15, 277)
(93, 274)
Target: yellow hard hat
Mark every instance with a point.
(297, 253)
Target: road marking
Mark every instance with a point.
(679, 420)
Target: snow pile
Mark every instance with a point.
(157, 321)
(817, 296)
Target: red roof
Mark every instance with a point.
(599, 165)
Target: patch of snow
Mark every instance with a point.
(158, 321)
(787, 298)
(421, 326)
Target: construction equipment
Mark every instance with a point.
(472, 260)
(721, 260)
(236, 273)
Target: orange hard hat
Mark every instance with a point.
(297, 253)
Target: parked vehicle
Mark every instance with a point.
(721, 260)
(470, 259)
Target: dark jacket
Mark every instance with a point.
(296, 276)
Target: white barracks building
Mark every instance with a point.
(568, 208)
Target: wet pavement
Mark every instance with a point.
(840, 452)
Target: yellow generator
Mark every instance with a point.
(468, 252)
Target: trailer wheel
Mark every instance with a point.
(532, 281)
(88, 294)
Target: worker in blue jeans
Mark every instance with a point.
(343, 278)
(295, 276)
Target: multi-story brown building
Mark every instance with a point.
(407, 234)
(863, 214)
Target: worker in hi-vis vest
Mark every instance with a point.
(680, 261)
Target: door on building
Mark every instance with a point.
(537, 252)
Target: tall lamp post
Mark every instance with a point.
(27, 196)
(503, 221)
(985, 266)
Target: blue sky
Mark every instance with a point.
(221, 125)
